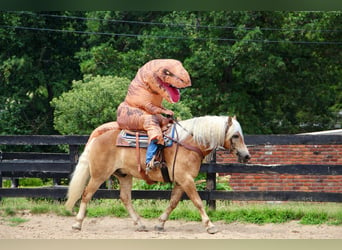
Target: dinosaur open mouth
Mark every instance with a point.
(173, 92)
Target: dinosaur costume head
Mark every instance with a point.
(167, 78)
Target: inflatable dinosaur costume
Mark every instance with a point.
(142, 108)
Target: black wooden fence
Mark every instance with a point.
(60, 165)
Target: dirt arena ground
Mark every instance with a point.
(51, 226)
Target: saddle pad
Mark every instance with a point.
(127, 139)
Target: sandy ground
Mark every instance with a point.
(50, 226)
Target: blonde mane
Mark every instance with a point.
(208, 131)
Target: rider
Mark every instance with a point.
(142, 108)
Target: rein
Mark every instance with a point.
(178, 143)
(187, 146)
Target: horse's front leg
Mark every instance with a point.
(176, 195)
(126, 198)
(189, 187)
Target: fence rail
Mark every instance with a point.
(61, 165)
(249, 139)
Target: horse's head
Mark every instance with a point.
(234, 140)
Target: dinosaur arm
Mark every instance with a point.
(153, 109)
(142, 97)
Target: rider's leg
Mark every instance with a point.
(151, 125)
(151, 152)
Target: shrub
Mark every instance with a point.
(89, 103)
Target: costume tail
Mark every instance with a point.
(79, 180)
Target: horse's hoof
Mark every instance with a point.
(159, 228)
(212, 230)
(76, 227)
(142, 229)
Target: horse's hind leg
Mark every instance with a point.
(88, 193)
(176, 195)
(126, 198)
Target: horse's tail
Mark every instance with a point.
(80, 178)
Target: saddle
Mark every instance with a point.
(139, 139)
(130, 138)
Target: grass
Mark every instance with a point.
(260, 213)
(15, 221)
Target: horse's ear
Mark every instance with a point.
(230, 121)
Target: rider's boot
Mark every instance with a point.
(151, 152)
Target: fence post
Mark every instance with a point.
(211, 183)
(0, 173)
(73, 152)
(73, 157)
(15, 182)
(0, 184)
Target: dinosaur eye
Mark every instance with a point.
(166, 72)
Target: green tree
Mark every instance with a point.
(279, 72)
(275, 70)
(114, 49)
(293, 83)
(35, 65)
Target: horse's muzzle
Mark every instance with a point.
(243, 158)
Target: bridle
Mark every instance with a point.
(231, 144)
(231, 147)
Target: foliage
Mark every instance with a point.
(29, 182)
(35, 66)
(15, 221)
(40, 209)
(278, 71)
(313, 218)
(222, 184)
(91, 102)
(142, 185)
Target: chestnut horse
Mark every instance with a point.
(102, 158)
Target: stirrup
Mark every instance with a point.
(152, 164)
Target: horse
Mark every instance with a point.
(195, 139)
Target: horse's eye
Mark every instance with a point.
(235, 136)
